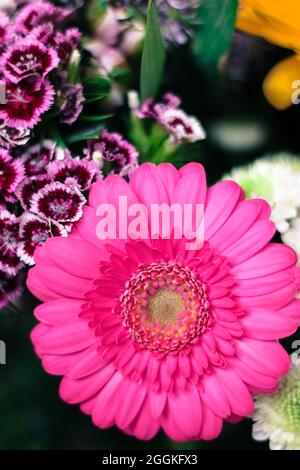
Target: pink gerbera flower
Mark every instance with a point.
(25, 104)
(28, 58)
(150, 335)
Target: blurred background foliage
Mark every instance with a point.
(225, 93)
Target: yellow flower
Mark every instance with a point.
(278, 22)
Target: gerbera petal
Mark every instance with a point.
(251, 242)
(264, 324)
(58, 311)
(221, 200)
(262, 263)
(186, 409)
(266, 357)
(76, 391)
(66, 339)
(238, 395)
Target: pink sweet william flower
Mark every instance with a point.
(38, 13)
(12, 136)
(37, 158)
(10, 288)
(30, 186)
(149, 335)
(4, 30)
(58, 202)
(34, 231)
(11, 174)
(25, 104)
(9, 242)
(110, 148)
(72, 103)
(66, 42)
(28, 58)
(82, 172)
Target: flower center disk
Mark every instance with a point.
(165, 307)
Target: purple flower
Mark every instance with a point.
(39, 13)
(180, 126)
(10, 288)
(66, 42)
(112, 148)
(25, 104)
(58, 202)
(9, 243)
(72, 103)
(29, 187)
(82, 172)
(12, 136)
(34, 231)
(28, 58)
(37, 158)
(151, 109)
(4, 30)
(11, 174)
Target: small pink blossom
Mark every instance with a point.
(29, 187)
(180, 126)
(34, 231)
(151, 109)
(72, 103)
(113, 149)
(25, 104)
(83, 172)
(28, 58)
(9, 243)
(4, 30)
(58, 202)
(37, 158)
(12, 136)
(66, 42)
(10, 288)
(38, 13)
(11, 174)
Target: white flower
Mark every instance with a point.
(277, 180)
(292, 236)
(180, 126)
(277, 416)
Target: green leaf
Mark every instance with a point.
(94, 118)
(214, 36)
(91, 132)
(96, 88)
(154, 56)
